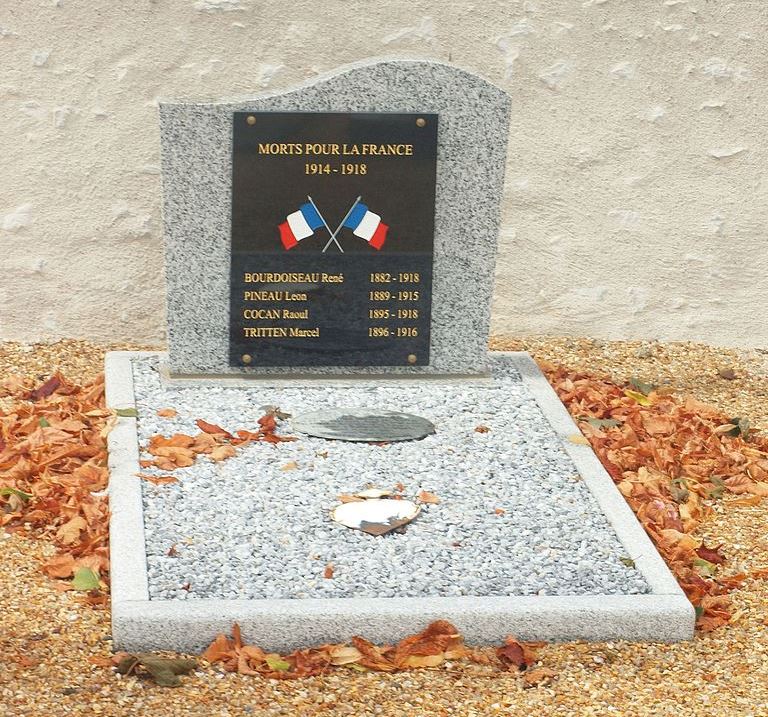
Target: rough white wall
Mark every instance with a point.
(635, 199)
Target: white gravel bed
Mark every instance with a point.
(246, 529)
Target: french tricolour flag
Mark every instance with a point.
(299, 225)
(367, 225)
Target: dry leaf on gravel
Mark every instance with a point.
(344, 655)
(751, 500)
(70, 531)
(539, 676)
(427, 497)
(212, 428)
(712, 555)
(62, 566)
(221, 453)
(165, 671)
(348, 498)
(516, 654)
(158, 480)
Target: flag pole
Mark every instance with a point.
(333, 236)
(341, 224)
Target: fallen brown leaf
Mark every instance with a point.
(25, 661)
(218, 649)
(164, 671)
(212, 428)
(747, 501)
(518, 654)
(539, 676)
(158, 480)
(347, 498)
(70, 531)
(344, 655)
(221, 453)
(712, 555)
(426, 497)
(62, 566)
(46, 388)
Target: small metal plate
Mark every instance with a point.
(376, 517)
(367, 425)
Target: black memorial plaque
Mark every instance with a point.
(332, 237)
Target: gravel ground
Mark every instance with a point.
(246, 528)
(77, 360)
(723, 673)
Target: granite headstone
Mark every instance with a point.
(217, 200)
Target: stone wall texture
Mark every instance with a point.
(635, 200)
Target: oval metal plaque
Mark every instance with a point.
(366, 425)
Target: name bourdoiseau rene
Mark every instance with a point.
(289, 277)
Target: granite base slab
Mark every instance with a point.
(141, 623)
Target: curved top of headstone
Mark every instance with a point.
(196, 141)
(370, 69)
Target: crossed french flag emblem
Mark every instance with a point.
(303, 223)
